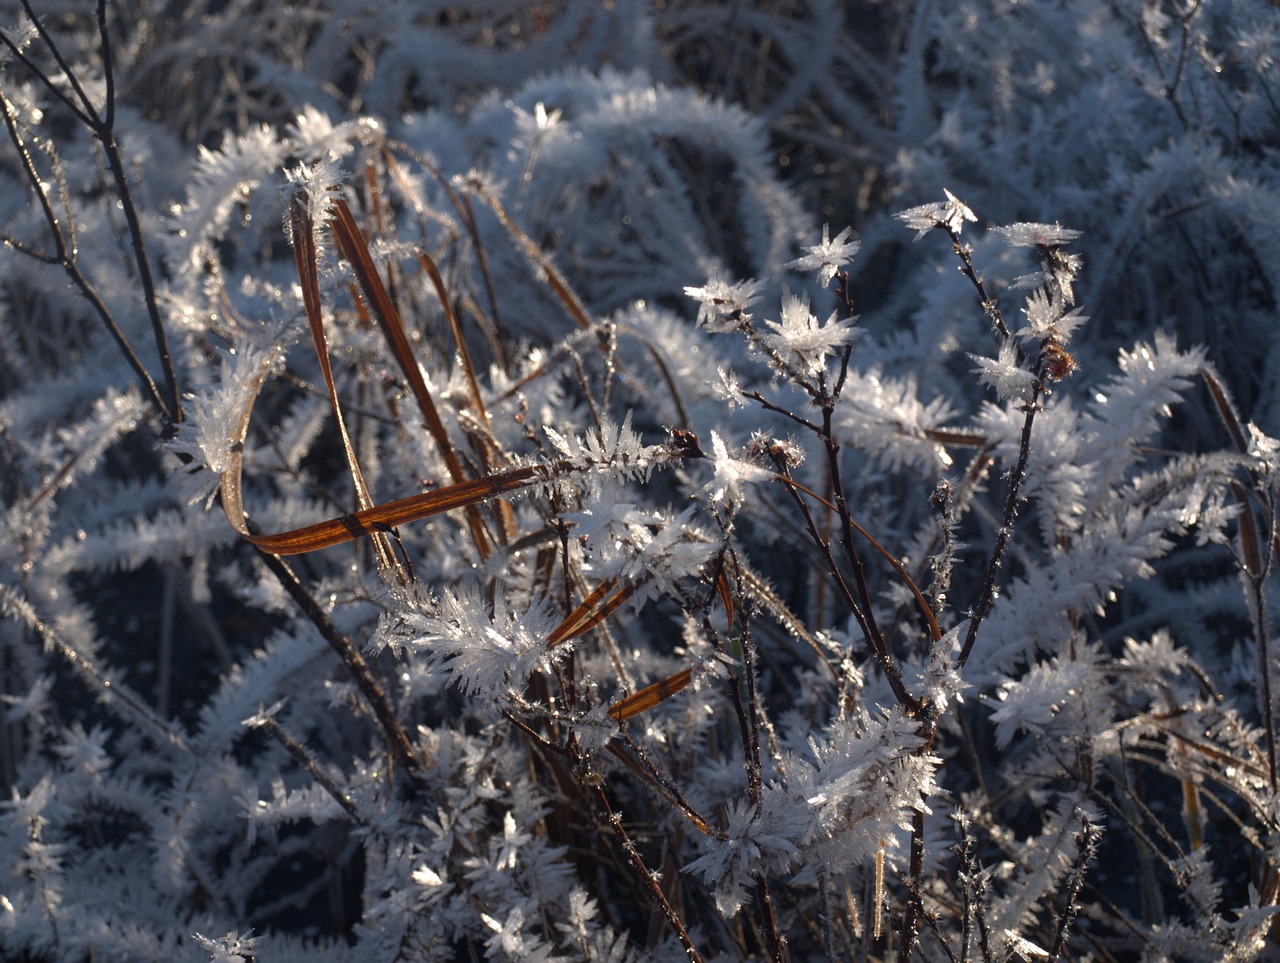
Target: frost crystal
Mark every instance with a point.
(232, 948)
(1265, 449)
(722, 305)
(949, 215)
(613, 449)
(206, 440)
(1009, 379)
(485, 650)
(804, 342)
(727, 389)
(1047, 318)
(1036, 235)
(829, 256)
(731, 473)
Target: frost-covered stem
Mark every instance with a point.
(1018, 474)
(824, 546)
(1253, 573)
(755, 780)
(102, 127)
(968, 871)
(64, 256)
(1087, 847)
(82, 110)
(875, 638)
(639, 762)
(936, 930)
(828, 930)
(644, 873)
(943, 501)
(887, 666)
(397, 742)
(910, 933)
(777, 945)
(1254, 562)
(110, 691)
(1264, 675)
(989, 305)
(608, 339)
(1184, 47)
(1012, 497)
(305, 760)
(844, 294)
(768, 405)
(755, 773)
(48, 901)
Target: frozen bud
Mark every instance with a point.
(1057, 363)
(684, 443)
(783, 452)
(942, 495)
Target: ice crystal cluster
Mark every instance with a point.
(639, 481)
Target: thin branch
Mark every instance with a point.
(397, 741)
(304, 758)
(645, 874)
(1013, 496)
(65, 256)
(101, 124)
(1087, 843)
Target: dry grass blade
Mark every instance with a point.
(554, 279)
(1193, 819)
(650, 696)
(376, 519)
(304, 253)
(505, 515)
(355, 250)
(664, 370)
(468, 368)
(961, 439)
(1254, 567)
(757, 589)
(651, 777)
(935, 633)
(726, 597)
(469, 218)
(593, 610)
(1231, 419)
(466, 214)
(1226, 409)
(380, 518)
(1250, 546)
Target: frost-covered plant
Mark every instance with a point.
(464, 507)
